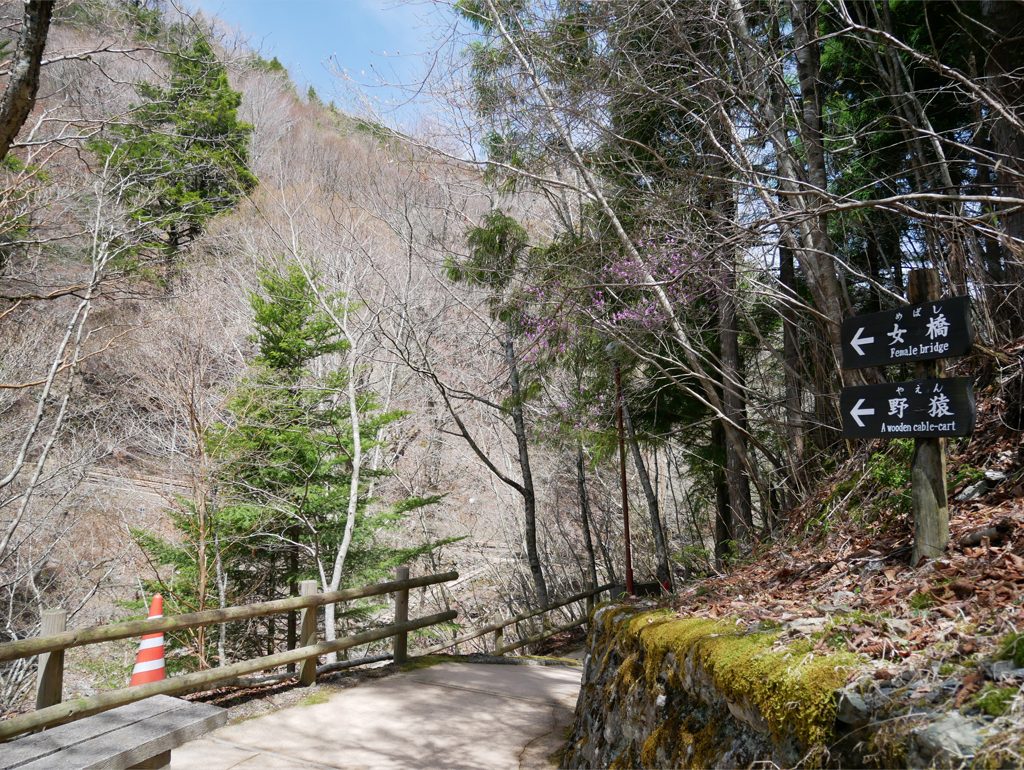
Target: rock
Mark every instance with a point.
(806, 625)
(908, 676)
(990, 481)
(973, 491)
(842, 597)
(1003, 671)
(625, 718)
(950, 687)
(851, 709)
(833, 609)
(899, 626)
(748, 713)
(953, 737)
(684, 716)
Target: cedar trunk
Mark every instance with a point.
(664, 573)
(529, 497)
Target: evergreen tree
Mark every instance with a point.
(285, 479)
(184, 155)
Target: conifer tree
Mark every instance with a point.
(185, 153)
(286, 470)
(288, 453)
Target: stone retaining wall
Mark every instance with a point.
(664, 691)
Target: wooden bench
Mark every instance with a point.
(140, 735)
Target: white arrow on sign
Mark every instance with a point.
(856, 412)
(857, 341)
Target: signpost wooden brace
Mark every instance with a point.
(928, 466)
(50, 682)
(307, 633)
(401, 648)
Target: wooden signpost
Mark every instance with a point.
(928, 408)
(930, 330)
(918, 409)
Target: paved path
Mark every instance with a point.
(453, 715)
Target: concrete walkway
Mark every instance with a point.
(452, 715)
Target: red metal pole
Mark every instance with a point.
(625, 500)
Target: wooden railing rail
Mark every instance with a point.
(327, 668)
(50, 711)
(114, 631)
(50, 648)
(500, 649)
(199, 680)
(497, 626)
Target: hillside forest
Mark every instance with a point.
(251, 335)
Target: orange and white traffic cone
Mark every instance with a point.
(149, 665)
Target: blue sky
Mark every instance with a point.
(380, 38)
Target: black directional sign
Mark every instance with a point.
(940, 329)
(914, 409)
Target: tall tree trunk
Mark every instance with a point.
(995, 277)
(222, 601)
(201, 496)
(20, 94)
(664, 573)
(173, 239)
(723, 202)
(529, 496)
(724, 540)
(581, 486)
(999, 322)
(874, 257)
(609, 564)
(735, 410)
(272, 593)
(330, 629)
(791, 356)
(202, 552)
(1005, 24)
(804, 15)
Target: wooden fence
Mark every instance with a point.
(498, 627)
(50, 710)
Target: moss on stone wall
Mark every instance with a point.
(662, 690)
(792, 687)
(718, 673)
(662, 738)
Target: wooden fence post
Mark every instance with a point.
(499, 640)
(928, 466)
(401, 645)
(50, 681)
(307, 634)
